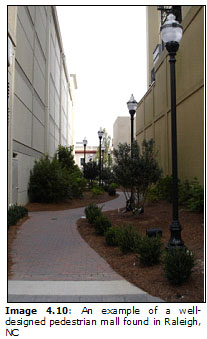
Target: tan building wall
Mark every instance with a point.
(122, 130)
(41, 97)
(153, 113)
(153, 38)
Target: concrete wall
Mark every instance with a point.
(12, 17)
(41, 96)
(153, 113)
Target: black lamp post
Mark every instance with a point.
(84, 144)
(132, 106)
(100, 135)
(171, 34)
(102, 151)
(109, 152)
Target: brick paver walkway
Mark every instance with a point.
(52, 263)
(49, 247)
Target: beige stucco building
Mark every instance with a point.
(153, 116)
(41, 105)
(122, 130)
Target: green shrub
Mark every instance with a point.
(150, 250)
(97, 191)
(106, 187)
(164, 188)
(129, 239)
(15, 213)
(113, 235)
(190, 193)
(48, 181)
(178, 265)
(92, 212)
(112, 189)
(54, 180)
(76, 182)
(101, 224)
(195, 201)
(183, 192)
(76, 185)
(152, 194)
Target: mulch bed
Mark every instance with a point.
(152, 279)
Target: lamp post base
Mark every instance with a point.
(175, 239)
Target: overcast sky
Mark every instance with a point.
(105, 46)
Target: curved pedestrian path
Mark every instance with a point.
(52, 263)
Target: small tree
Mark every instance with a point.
(65, 157)
(147, 171)
(136, 171)
(122, 169)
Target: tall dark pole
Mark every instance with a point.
(100, 161)
(109, 163)
(100, 135)
(175, 228)
(171, 34)
(84, 160)
(132, 113)
(102, 150)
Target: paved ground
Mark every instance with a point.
(52, 263)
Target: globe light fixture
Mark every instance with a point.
(85, 142)
(171, 31)
(132, 107)
(132, 104)
(100, 133)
